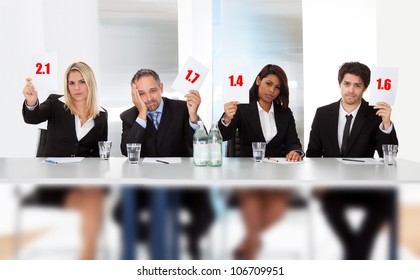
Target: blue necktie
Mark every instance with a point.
(154, 117)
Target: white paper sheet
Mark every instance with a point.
(191, 76)
(236, 83)
(59, 160)
(43, 69)
(383, 85)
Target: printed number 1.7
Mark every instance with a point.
(385, 86)
(188, 77)
(39, 70)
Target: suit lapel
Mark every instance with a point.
(98, 121)
(164, 122)
(253, 118)
(72, 123)
(333, 123)
(279, 125)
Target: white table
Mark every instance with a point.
(233, 172)
(313, 172)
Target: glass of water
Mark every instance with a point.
(104, 149)
(133, 152)
(258, 151)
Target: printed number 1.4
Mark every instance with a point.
(239, 81)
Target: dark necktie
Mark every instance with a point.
(154, 117)
(346, 134)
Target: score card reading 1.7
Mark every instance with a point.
(190, 77)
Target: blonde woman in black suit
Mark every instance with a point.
(267, 118)
(75, 125)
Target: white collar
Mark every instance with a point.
(269, 111)
(343, 112)
(63, 99)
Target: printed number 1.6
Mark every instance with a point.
(39, 69)
(385, 86)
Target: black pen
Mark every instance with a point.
(162, 161)
(356, 160)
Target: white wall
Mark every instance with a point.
(28, 28)
(399, 46)
(334, 32)
(22, 33)
(195, 39)
(377, 33)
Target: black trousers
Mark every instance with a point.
(377, 204)
(196, 202)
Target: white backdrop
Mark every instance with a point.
(31, 27)
(373, 32)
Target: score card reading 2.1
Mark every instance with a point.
(42, 69)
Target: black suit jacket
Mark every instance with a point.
(172, 139)
(247, 121)
(365, 136)
(62, 140)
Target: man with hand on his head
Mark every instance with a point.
(165, 128)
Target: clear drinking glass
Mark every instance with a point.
(104, 149)
(133, 152)
(390, 154)
(258, 151)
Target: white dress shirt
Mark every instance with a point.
(268, 123)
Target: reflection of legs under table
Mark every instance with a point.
(260, 210)
(380, 206)
(164, 223)
(129, 223)
(393, 225)
(89, 202)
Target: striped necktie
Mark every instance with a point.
(154, 116)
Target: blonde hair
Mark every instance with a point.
(91, 106)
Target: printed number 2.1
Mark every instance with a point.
(39, 70)
(188, 77)
(385, 86)
(239, 81)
